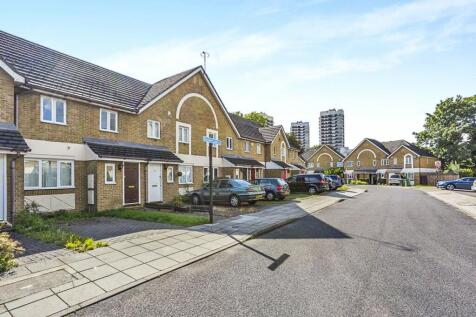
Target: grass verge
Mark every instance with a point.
(184, 220)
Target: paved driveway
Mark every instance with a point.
(390, 252)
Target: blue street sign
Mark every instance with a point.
(211, 140)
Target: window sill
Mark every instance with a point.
(110, 183)
(153, 138)
(110, 131)
(56, 123)
(48, 188)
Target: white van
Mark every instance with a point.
(395, 179)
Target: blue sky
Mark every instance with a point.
(386, 63)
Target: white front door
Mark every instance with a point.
(154, 182)
(3, 187)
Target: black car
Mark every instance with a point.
(311, 183)
(274, 187)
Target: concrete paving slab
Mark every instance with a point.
(100, 251)
(182, 245)
(181, 256)
(147, 256)
(99, 272)
(166, 250)
(125, 263)
(112, 256)
(134, 250)
(141, 240)
(86, 264)
(41, 308)
(169, 241)
(75, 257)
(121, 245)
(70, 285)
(44, 265)
(140, 271)
(80, 294)
(114, 281)
(197, 250)
(152, 245)
(197, 241)
(162, 263)
(28, 299)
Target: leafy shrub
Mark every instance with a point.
(79, 244)
(358, 182)
(8, 248)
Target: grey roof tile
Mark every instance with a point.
(269, 133)
(11, 139)
(247, 128)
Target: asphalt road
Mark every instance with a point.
(388, 252)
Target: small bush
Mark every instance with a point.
(8, 248)
(358, 182)
(79, 244)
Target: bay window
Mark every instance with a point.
(41, 174)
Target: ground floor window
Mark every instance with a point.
(48, 174)
(186, 176)
(206, 174)
(170, 174)
(110, 173)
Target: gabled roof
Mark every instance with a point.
(390, 147)
(247, 128)
(127, 150)
(11, 139)
(49, 70)
(270, 133)
(379, 144)
(282, 164)
(310, 153)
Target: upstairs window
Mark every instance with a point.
(153, 129)
(108, 120)
(395, 161)
(214, 135)
(350, 163)
(247, 146)
(183, 134)
(258, 148)
(229, 143)
(358, 163)
(53, 110)
(374, 162)
(408, 159)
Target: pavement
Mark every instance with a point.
(390, 252)
(464, 201)
(65, 283)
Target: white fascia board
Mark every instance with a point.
(199, 160)
(60, 150)
(403, 145)
(17, 78)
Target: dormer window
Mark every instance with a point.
(53, 110)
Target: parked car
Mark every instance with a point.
(461, 183)
(335, 181)
(395, 179)
(311, 183)
(273, 187)
(473, 187)
(232, 191)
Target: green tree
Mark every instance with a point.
(450, 131)
(257, 117)
(293, 141)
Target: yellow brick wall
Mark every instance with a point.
(6, 97)
(362, 154)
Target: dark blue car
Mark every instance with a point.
(461, 183)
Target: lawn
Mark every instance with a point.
(184, 220)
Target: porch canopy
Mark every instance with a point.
(104, 148)
(298, 166)
(11, 139)
(366, 171)
(278, 165)
(240, 161)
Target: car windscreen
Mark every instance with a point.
(281, 181)
(239, 183)
(395, 176)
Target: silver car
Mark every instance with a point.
(395, 179)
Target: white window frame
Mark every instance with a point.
(229, 143)
(331, 164)
(384, 162)
(58, 174)
(395, 161)
(247, 146)
(170, 172)
(258, 148)
(191, 175)
(214, 133)
(358, 164)
(107, 182)
(205, 174)
(177, 135)
(374, 162)
(405, 159)
(182, 140)
(108, 117)
(53, 110)
(155, 126)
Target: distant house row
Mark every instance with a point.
(76, 136)
(373, 161)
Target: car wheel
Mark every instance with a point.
(312, 190)
(450, 187)
(234, 201)
(195, 200)
(270, 196)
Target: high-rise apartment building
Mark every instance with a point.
(269, 119)
(301, 132)
(331, 128)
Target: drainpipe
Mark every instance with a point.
(12, 187)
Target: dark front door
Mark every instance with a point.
(131, 183)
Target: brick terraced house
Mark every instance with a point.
(372, 161)
(77, 136)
